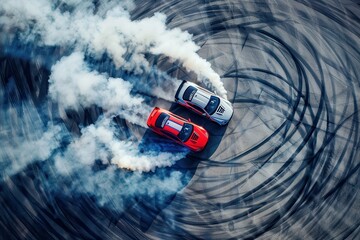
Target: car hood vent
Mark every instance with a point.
(194, 137)
(220, 110)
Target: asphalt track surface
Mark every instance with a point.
(285, 167)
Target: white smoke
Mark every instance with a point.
(112, 189)
(106, 29)
(74, 85)
(25, 139)
(19, 153)
(79, 28)
(99, 142)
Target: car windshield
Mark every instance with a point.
(189, 93)
(185, 132)
(212, 105)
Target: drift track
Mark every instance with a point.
(285, 167)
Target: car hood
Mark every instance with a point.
(224, 112)
(198, 138)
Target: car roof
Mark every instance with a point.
(201, 98)
(196, 94)
(169, 123)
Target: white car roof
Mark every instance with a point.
(201, 98)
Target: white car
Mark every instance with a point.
(204, 102)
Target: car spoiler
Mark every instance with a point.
(153, 112)
(178, 90)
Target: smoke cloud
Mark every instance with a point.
(113, 188)
(106, 28)
(102, 144)
(81, 30)
(110, 186)
(74, 85)
(25, 138)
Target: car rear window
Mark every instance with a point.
(161, 120)
(189, 93)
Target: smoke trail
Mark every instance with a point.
(74, 85)
(18, 153)
(99, 142)
(79, 30)
(25, 139)
(113, 188)
(156, 84)
(106, 28)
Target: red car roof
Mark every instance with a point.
(173, 125)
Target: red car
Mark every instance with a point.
(178, 129)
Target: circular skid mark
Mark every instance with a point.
(286, 166)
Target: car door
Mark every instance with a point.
(199, 110)
(171, 136)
